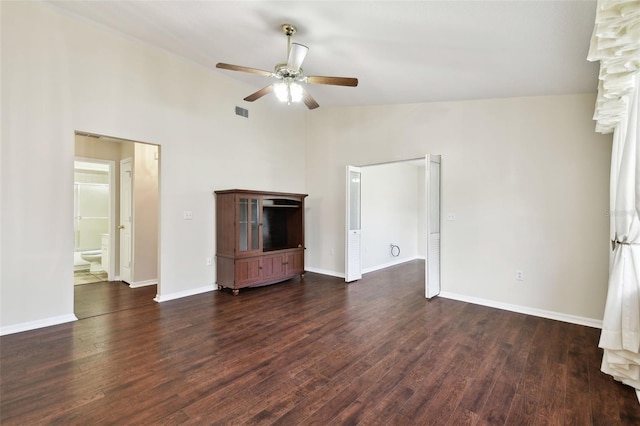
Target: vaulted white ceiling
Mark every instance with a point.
(401, 51)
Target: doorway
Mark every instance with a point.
(141, 162)
(93, 215)
(399, 205)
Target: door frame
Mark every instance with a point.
(132, 221)
(426, 191)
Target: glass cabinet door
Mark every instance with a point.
(243, 224)
(255, 224)
(248, 224)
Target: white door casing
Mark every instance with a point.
(353, 267)
(432, 186)
(126, 220)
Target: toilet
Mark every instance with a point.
(94, 257)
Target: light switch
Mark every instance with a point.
(451, 216)
(187, 215)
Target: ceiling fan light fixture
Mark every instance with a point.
(288, 92)
(282, 92)
(296, 92)
(289, 75)
(296, 56)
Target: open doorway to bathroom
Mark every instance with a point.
(93, 213)
(116, 224)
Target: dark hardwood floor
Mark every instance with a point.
(106, 297)
(373, 352)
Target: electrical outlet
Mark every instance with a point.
(451, 216)
(209, 261)
(519, 275)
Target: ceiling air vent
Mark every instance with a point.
(242, 112)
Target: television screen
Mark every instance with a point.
(274, 229)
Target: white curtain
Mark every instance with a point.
(616, 44)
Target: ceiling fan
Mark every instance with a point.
(290, 74)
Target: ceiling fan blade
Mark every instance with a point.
(244, 69)
(260, 93)
(308, 100)
(297, 53)
(336, 81)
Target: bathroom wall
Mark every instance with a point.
(91, 208)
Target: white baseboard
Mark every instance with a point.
(388, 264)
(572, 319)
(364, 271)
(325, 272)
(180, 294)
(32, 325)
(145, 283)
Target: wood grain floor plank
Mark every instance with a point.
(318, 351)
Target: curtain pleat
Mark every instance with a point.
(620, 337)
(616, 44)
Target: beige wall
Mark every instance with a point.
(527, 179)
(68, 75)
(145, 214)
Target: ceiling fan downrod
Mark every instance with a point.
(289, 30)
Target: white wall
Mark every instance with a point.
(526, 177)
(60, 75)
(389, 202)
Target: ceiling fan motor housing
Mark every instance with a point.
(283, 71)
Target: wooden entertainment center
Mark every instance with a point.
(259, 238)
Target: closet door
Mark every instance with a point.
(432, 185)
(353, 270)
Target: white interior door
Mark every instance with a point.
(126, 222)
(432, 264)
(353, 267)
